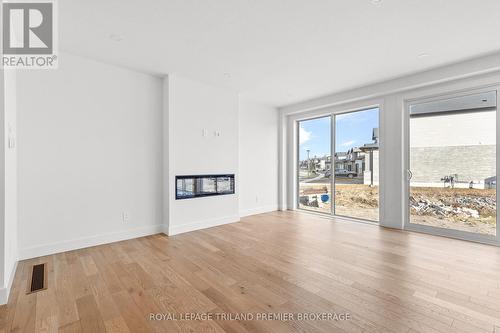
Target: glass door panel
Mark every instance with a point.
(357, 164)
(452, 164)
(314, 165)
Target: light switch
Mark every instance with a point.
(217, 133)
(125, 217)
(204, 132)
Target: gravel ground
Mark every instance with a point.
(470, 210)
(359, 201)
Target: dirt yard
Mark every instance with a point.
(470, 210)
(352, 200)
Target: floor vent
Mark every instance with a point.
(38, 279)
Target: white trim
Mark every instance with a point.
(452, 233)
(168, 175)
(338, 218)
(5, 292)
(80, 243)
(179, 229)
(282, 164)
(258, 210)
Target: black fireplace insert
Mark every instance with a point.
(195, 186)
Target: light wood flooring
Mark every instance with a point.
(281, 262)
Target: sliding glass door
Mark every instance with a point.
(452, 166)
(357, 164)
(353, 172)
(314, 164)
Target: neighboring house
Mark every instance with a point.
(352, 160)
(341, 160)
(363, 160)
(324, 163)
(490, 182)
(317, 164)
(469, 156)
(371, 151)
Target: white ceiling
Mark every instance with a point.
(280, 51)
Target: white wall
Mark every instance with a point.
(8, 187)
(2, 185)
(193, 107)
(97, 140)
(89, 140)
(8, 192)
(258, 156)
(11, 220)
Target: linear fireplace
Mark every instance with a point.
(194, 186)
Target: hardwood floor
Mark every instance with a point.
(282, 262)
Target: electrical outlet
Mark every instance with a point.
(125, 217)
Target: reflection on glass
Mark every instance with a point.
(315, 165)
(453, 166)
(185, 188)
(206, 185)
(357, 164)
(224, 185)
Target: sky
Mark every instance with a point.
(352, 130)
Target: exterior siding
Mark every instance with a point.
(471, 163)
(454, 129)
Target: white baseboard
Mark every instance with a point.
(179, 229)
(5, 292)
(258, 210)
(80, 243)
